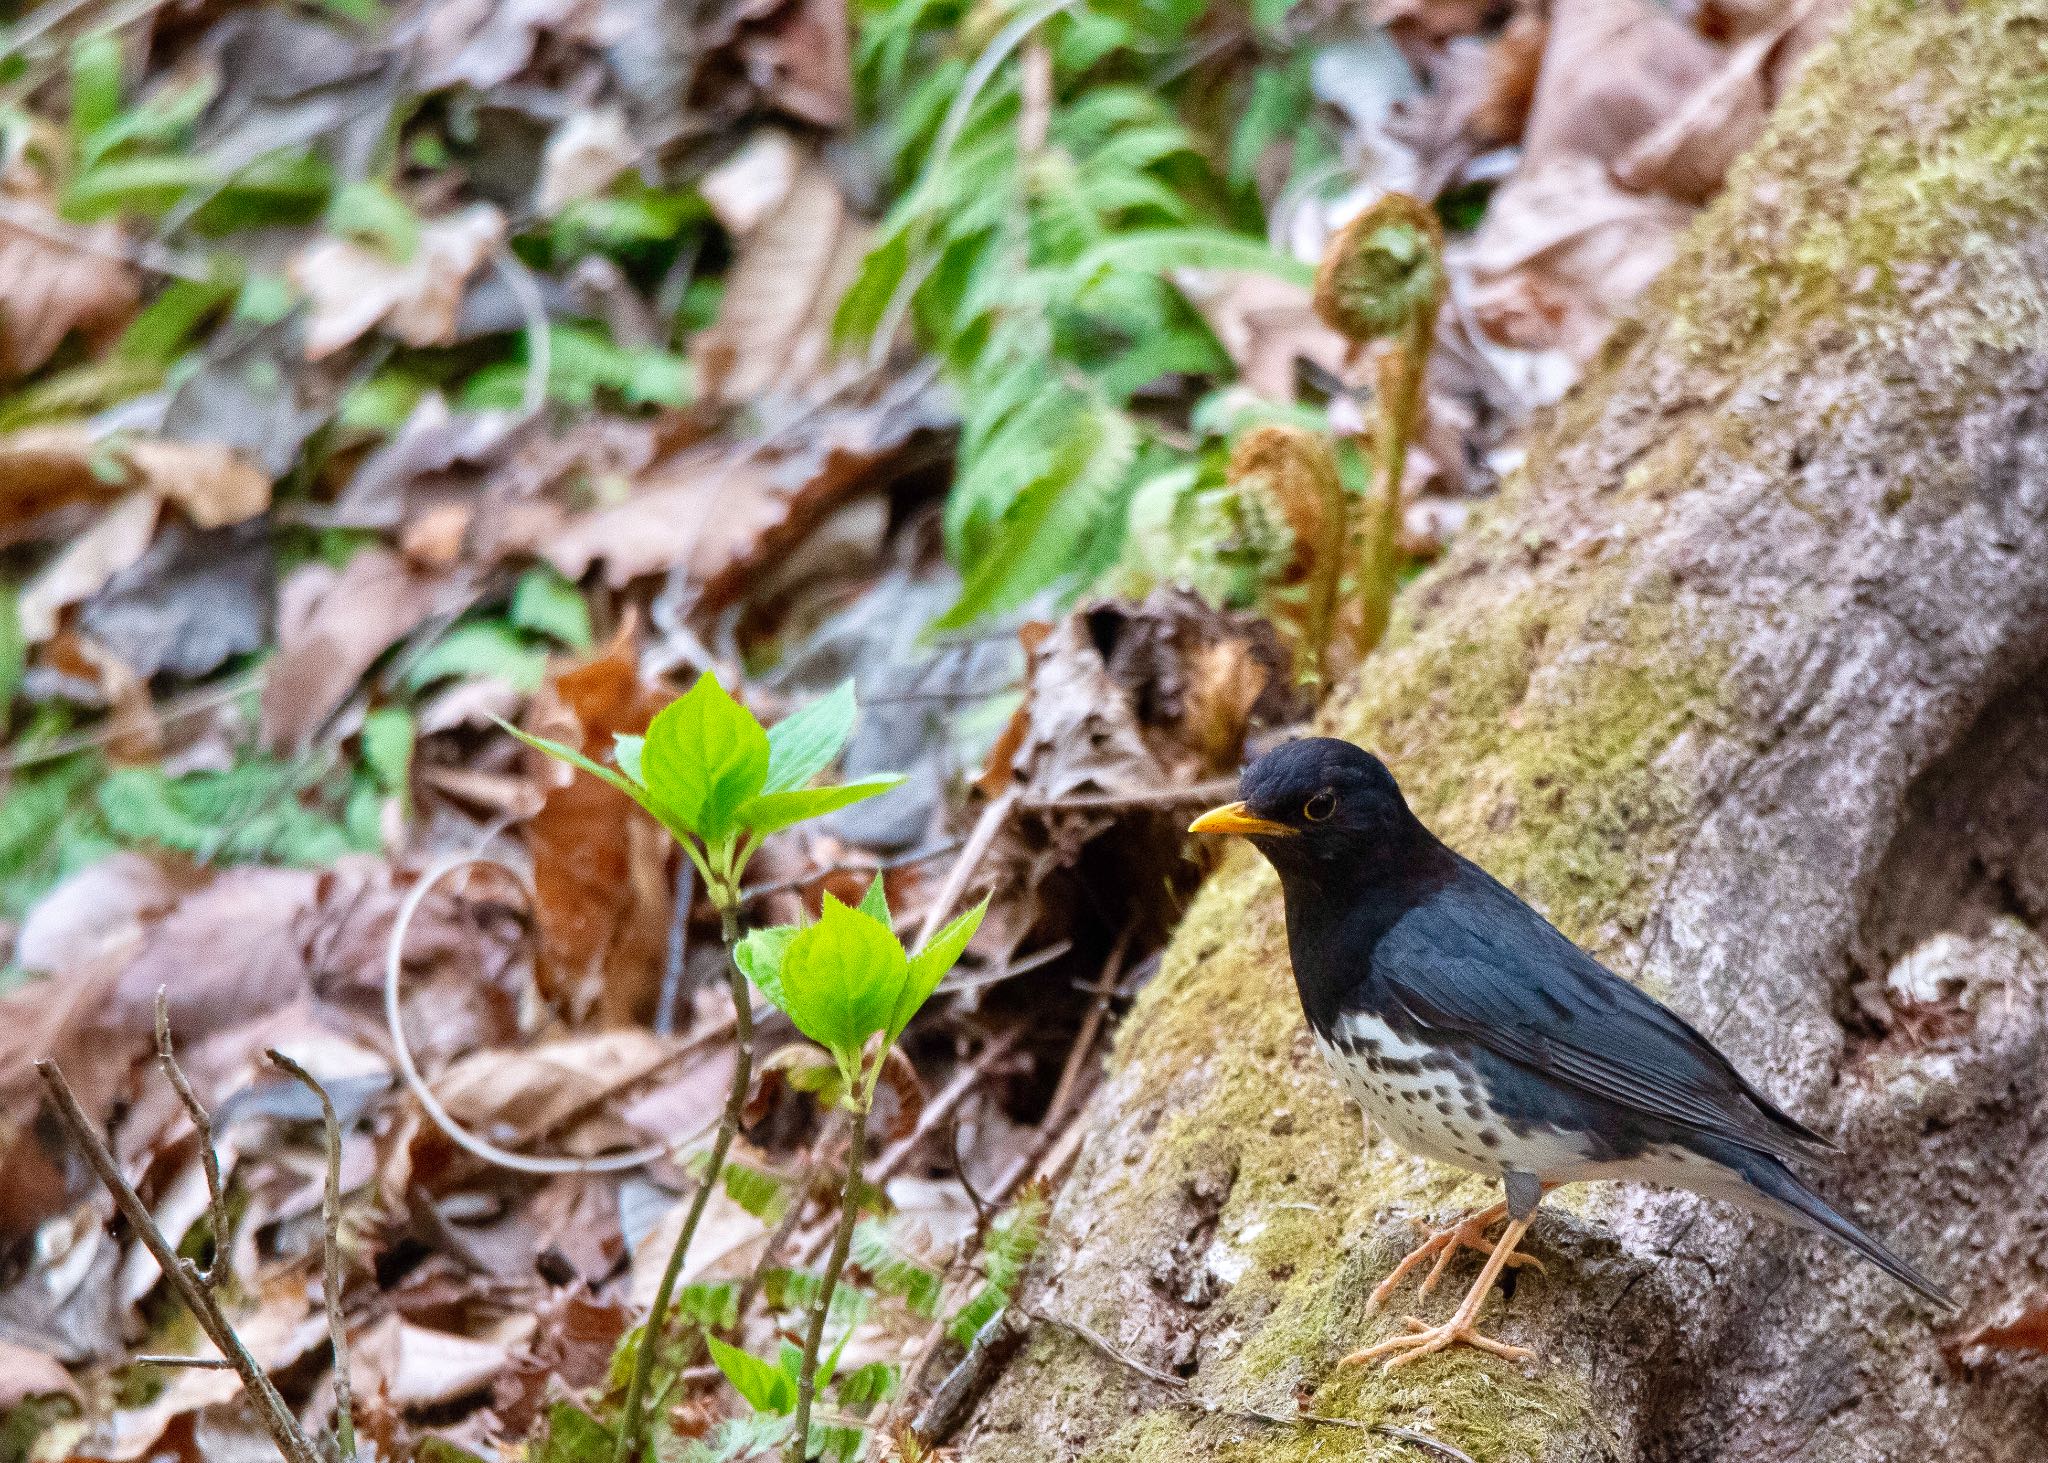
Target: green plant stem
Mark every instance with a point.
(632, 1425)
(1398, 416)
(835, 1262)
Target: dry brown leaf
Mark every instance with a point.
(98, 912)
(584, 154)
(352, 287)
(805, 49)
(50, 288)
(412, 1366)
(1613, 71)
(573, 1343)
(1689, 154)
(25, 1374)
(226, 954)
(116, 540)
(774, 321)
(1563, 251)
(42, 468)
(533, 1091)
(719, 517)
(332, 624)
(1268, 326)
(602, 895)
(727, 1242)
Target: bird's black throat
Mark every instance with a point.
(1342, 894)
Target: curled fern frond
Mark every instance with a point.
(1296, 471)
(1383, 275)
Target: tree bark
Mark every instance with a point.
(1745, 684)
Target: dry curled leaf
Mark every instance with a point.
(332, 624)
(602, 894)
(50, 288)
(353, 287)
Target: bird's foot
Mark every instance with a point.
(1422, 1340)
(1444, 1244)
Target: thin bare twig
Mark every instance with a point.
(1194, 795)
(1084, 1040)
(873, 866)
(684, 895)
(1203, 1405)
(209, 1161)
(183, 1276)
(196, 1363)
(330, 1255)
(971, 854)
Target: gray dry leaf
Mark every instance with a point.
(251, 393)
(194, 601)
(286, 82)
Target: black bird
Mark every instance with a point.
(1474, 1033)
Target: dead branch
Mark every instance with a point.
(183, 1276)
(330, 1255)
(209, 1161)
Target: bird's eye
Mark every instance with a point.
(1320, 806)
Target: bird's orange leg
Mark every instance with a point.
(1422, 1339)
(1444, 1244)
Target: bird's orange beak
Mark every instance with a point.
(1236, 818)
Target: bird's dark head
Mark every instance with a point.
(1318, 802)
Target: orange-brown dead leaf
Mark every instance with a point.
(602, 894)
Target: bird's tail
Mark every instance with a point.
(1787, 1196)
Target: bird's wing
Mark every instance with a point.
(1476, 962)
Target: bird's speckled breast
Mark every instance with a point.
(1422, 1097)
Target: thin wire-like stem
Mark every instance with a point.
(842, 1241)
(631, 1422)
(209, 1161)
(330, 1254)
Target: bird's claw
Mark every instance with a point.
(1423, 1340)
(1468, 1233)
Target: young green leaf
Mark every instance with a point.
(773, 811)
(705, 756)
(841, 980)
(767, 1388)
(929, 966)
(626, 752)
(547, 604)
(760, 957)
(803, 743)
(875, 903)
(577, 760)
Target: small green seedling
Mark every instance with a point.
(847, 979)
(712, 775)
(719, 781)
(848, 984)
